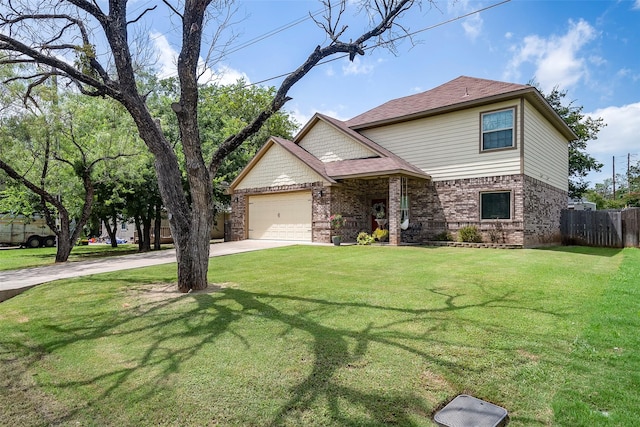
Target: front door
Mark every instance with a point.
(379, 205)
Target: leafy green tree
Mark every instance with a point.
(143, 204)
(108, 207)
(15, 199)
(54, 153)
(586, 128)
(633, 182)
(603, 196)
(222, 112)
(75, 28)
(627, 191)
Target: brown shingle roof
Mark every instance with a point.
(386, 163)
(462, 90)
(376, 166)
(399, 162)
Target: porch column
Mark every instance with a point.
(394, 210)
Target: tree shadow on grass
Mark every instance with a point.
(584, 250)
(214, 314)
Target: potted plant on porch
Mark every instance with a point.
(337, 222)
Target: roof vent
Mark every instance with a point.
(466, 92)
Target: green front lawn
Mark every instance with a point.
(324, 336)
(11, 259)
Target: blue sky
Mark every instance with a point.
(589, 48)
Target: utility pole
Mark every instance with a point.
(628, 173)
(614, 177)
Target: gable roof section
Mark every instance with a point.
(387, 162)
(297, 153)
(376, 166)
(460, 93)
(341, 127)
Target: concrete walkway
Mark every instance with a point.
(14, 282)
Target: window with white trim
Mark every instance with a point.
(498, 129)
(495, 205)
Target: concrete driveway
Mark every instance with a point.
(14, 282)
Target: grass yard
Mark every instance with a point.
(332, 336)
(11, 259)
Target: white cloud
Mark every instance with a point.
(618, 138)
(557, 59)
(302, 118)
(330, 71)
(356, 67)
(623, 72)
(636, 5)
(167, 58)
(299, 116)
(222, 75)
(597, 60)
(473, 26)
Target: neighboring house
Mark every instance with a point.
(469, 152)
(127, 230)
(581, 205)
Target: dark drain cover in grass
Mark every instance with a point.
(467, 411)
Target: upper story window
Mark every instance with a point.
(498, 129)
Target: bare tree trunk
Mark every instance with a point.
(192, 246)
(65, 244)
(140, 235)
(111, 232)
(190, 223)
(157, 228)
(146, 230)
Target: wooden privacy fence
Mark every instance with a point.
(614, 229)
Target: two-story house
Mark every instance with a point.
(469, 152)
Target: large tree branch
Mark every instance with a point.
(330, 26)
(149, 9)
(65, 69)
(91, 8)
(389, 10)
(46, 196)
(85, 50)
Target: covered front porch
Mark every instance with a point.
(385, 202)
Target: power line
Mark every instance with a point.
(274, 31)
(302, 19)
(392, 40)
(256, 39)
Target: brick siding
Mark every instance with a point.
(543, 204)
(434, 208)
(443, 206)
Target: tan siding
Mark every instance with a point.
(329, 145)
(545, 150)
(447, 146)
(277, 168)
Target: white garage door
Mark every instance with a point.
(282, 216)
